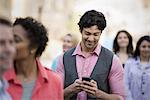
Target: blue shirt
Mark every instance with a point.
(137, 80)
(3, 92)
(54, 63)
(28, 90)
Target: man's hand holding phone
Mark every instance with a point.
(89, 86)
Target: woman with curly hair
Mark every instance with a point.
(122, 46)
(29, 80)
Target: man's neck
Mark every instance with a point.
(86, 50)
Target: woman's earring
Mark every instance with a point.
(31, 52)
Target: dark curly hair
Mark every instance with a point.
(137, 50)
(130, 45)
(36, 33)
(91, 18)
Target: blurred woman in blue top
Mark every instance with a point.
(69, 41)
(137, 72)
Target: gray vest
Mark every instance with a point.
(99, 74)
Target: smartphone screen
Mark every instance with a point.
(86, 79)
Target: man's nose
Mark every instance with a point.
(91, 38)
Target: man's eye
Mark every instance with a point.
(95, 34)
(86, 33)
(2, 42)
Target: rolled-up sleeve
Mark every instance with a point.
(116, 78)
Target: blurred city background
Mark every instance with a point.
(61, 17)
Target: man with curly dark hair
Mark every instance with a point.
(29, 80)
(91, 71)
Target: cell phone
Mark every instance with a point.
(86, 79)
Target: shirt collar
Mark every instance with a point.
(10, 75)
(42, 70)
(138, 62)
(78, 50)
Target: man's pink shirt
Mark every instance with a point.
(85, 66)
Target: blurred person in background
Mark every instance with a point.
(29, 80)
(103, 71)
(69, 41)
(137, 72)
(122, 46)
(7, 52)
